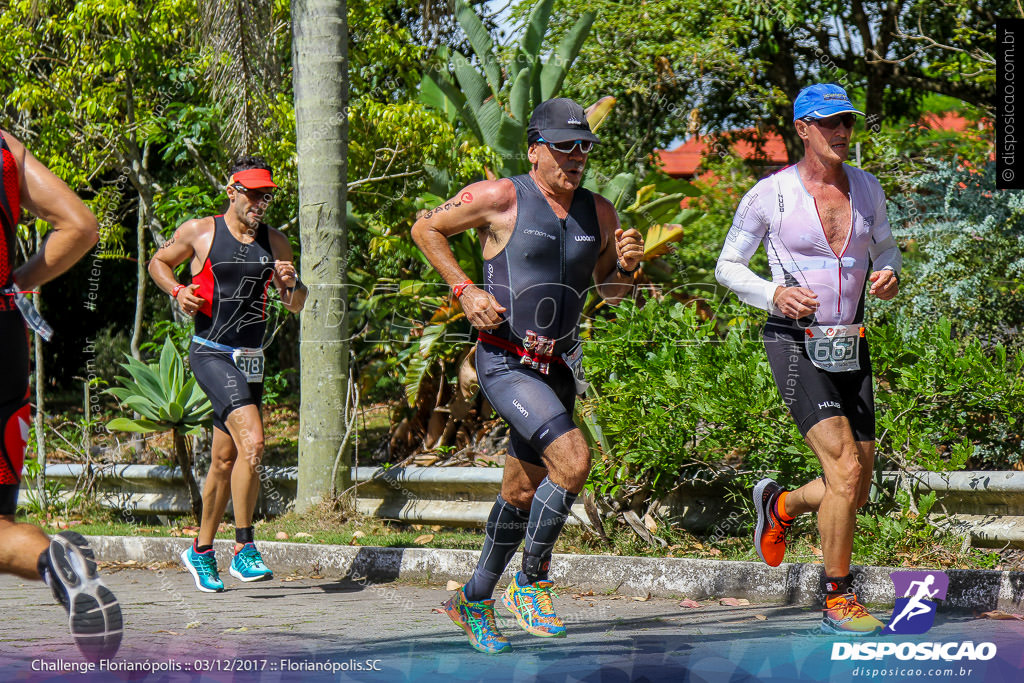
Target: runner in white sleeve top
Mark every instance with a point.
(824, 226)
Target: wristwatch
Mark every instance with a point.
(627, 273)
(893, 271)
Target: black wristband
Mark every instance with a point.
(895, 274)
(627, 273)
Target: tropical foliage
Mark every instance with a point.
(166, 398)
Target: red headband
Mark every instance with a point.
(253, 178)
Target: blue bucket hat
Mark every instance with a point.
(822, 100)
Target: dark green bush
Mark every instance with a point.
(676, 397)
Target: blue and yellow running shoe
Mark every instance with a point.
(203, 567)
(247, 565)
(534, 612)
(477, 620)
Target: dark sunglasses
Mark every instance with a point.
(569, 145)
(256, 193)
(832, 122)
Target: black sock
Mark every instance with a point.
(201, 548)
(43, 565)
(506, 527)
(243, 535)
(835, 586)
(548, 513)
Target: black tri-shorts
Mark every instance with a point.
(14, 408)
(537, 407)
(223, 383)
(812, 394)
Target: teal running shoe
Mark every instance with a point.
(532, 607)
(477, 620)
(247, 565)
(203, 567)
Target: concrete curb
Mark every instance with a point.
(795, 584)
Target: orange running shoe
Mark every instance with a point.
(845, 616)
(770, 532)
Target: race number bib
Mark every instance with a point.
(250, 362)
(834, 348)
(574, 360)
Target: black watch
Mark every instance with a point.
(627, 273)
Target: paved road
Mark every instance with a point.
(287, 626)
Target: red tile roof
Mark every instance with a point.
(684, 160)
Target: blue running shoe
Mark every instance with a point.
(477, 620)
(247, 565)
(203, 567)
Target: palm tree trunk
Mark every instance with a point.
(320, 63)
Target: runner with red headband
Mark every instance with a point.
(545, 241)
(65, 562)
(234, 259)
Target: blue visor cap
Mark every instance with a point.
(822, 100)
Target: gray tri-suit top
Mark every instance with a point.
(541, 278)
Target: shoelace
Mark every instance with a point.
(850, 607)
(205, 565)
(544, 605)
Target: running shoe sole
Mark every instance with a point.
(94, 614)
(195, 575)
(238, 575)
(828, 629)
(758, 497)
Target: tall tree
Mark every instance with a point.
(320, 62)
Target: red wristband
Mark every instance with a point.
(177, 288)
(458, 289)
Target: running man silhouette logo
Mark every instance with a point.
(914, 611)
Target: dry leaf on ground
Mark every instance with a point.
(303, 534)
(425, 538)
(642, 599)
(760, 617)
(999, 614)
(689, 603)
(281, 536)
(734, 602)
(453, 586)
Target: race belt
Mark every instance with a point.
(250, 362)
(834, 348)
(537, 352)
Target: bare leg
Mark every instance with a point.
(568, 461)
(520, 481)
(246, 429)
(217, 490)
(20, 547)
(847, 480)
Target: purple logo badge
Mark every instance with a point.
(914, 611)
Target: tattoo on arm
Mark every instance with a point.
(444, 207)
(168, 242)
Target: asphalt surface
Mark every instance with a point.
(302, 628)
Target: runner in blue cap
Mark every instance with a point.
(824, 226)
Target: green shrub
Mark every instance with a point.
(945, 402)
(676, 397)
(965, 256)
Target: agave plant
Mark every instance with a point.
(165, 401)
